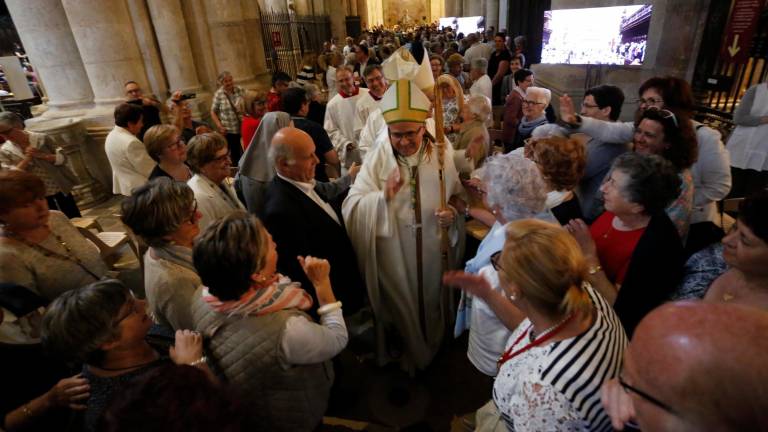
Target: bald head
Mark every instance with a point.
(293, 154)
(706, 361)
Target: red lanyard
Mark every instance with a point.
(508, 354)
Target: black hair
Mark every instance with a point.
(521, 75)
(607, 96)
(127, 113)
(753, 212)
(280, 76)
(292, 99)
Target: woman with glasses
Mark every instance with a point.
(103, 327)
(710, 171)
(633, 249)
(208, 155)
(163, 213)
(166, 147)
(565, 340)
(533, 106)
(513, 107)
(513, 188)
(562, 162)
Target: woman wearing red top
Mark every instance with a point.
(254, 109)
(633, 248)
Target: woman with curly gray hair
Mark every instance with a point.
(164, 214)
(514, 189)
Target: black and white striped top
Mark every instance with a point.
(557, 386)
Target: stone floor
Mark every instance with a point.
(365, 396)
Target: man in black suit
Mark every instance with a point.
(302, 222)
(363, 60)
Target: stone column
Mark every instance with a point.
(492, 14)
(83, 156)
(362, 10)
(147, 42)
(107, 43)
(230, 48)
(352, 7)
(171, 31)
(337, 10)
(255, 37)
(47, 38)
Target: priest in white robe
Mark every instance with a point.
(341, 120)
(394, 217)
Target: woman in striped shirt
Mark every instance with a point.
(566, 339)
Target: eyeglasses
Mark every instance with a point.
(222, 158)
(193, 217)
(495, 261)
(588, 105)
(665, 114)
(530, 102)
(135, 307)
(410, 135)
(178, 143)
(649, 101)
(628, 388)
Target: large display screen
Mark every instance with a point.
(464, 25)
(608, 35)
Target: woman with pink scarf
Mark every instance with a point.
(257, 330)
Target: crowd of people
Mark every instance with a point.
(605, 293)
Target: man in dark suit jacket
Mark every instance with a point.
(363, 60)
(297, 214)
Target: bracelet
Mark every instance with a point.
(201, 360)
(466, 212)
(25, 409)
(595, 269)
(330, 307)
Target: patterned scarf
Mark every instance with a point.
(275, 295)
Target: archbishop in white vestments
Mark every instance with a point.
(393, 216)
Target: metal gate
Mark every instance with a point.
(717, 102)
(288, 37)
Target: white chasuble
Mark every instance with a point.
(385, 239)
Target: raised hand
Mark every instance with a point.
(187, 348)
(567, 110)
(473, 284)
(318, 272)
(393, 185)
(580, 231)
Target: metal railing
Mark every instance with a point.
(288, 37)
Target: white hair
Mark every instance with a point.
(480, 64)
(539, 94)
(514, 184)
(480, 106)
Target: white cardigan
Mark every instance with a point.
(211, 201)
(130, 162)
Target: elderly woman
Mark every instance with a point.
(163, 213)
(182, 118)
(513, 188)
(670, 135)
(513, 108)
(476, 115)
(534, 104)
(40, 249)
(453, 105)
(562, 162)
(634, 252)
(225, 114)
(565, 341)
(455, 64)
(103, 326)
(508, 83)
(259, 334)
(481, 82)
(166, 147)
(255, 170)
(208, 155)
(34, 153)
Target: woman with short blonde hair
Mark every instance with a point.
(166, 147)
(566, 339)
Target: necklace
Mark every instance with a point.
(543, 337)
(130, 367)
(69, 256)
